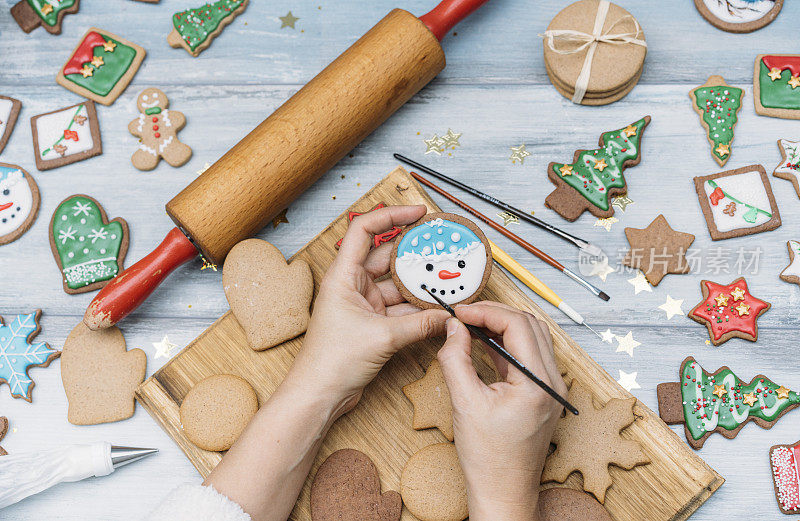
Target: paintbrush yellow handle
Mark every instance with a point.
(533, 282)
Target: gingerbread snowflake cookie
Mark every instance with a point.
(157, 129)
(18, 353)
(445, 254)
(19, 202)
(706, 403)
(729, 311)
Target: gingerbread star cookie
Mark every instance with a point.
(589, 442)
(658, 250)
(431, 399)
(3, 431)
(729, 311)
(791, 273)
(789, 167)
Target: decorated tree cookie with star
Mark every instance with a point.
(88, 248)
(729, 311)
(443, 253)
(19, 202)
(30, 14)
(721, 402)
(194, 29)
(718, 105)
(776, 78)
(595, 177)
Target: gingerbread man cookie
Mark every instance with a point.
(157, 129)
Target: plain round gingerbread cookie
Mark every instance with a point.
(566, 504)
(216, 410)
(445, 253)
(432, 484)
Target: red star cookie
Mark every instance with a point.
(729, 311)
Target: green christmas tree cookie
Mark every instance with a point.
(194, 29)
(721, 402)
(596, 176)
(718, 104)
(88, 248)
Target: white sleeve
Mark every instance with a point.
(197, 503)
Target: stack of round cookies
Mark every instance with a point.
(594, 52)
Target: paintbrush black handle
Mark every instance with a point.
(497, 202)
(478, 332)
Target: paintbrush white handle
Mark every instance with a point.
(23, 475)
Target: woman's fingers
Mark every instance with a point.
(391, 295)
(377, 262)
(404, 329)
(358, 239)
(456, 361)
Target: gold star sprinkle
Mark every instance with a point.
(508, 218)
(565, 170)
(737, 294)
(722, 300)
(97, 61)
(208, 265)
(87, 71)
(606, 223)
(109, 46)
(451, 139)
(47, 9)
(723, 149)
(434, 144)
(750, 399)
(280, 218)
(794, 81)
(622, 202)
(519, 154)
(720, 390)
(782, 392)
(774, 73)
(743, 309)
(164, 348)
(600, 165)
(630, 130)
(288, 20)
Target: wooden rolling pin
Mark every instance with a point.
(276, 162)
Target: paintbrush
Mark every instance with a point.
(486, 339)
(586, 246)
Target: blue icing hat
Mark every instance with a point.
(435, 237)
(4, 171)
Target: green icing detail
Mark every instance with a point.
(52, 17)
(699, 399)
(718, 105)
(88, 249)
(105, 77)
(594, 184)
(778, 94)
(195, 25)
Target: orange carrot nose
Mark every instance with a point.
(444, 274)
(6, 206)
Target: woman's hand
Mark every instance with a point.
(502, 431)
(357, 323)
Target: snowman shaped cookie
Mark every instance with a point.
(19, 202)
(445, 254)
(157, 129)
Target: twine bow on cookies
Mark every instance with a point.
(580, 41)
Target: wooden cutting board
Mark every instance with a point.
(673, 486)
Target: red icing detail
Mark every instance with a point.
(155, 127)
(386, 236)
(157, 134)
(783, 62)
(725, 319)
(716, 195)
(784, 472)
(445, 275)
(71, 134)
(84, 53)
(6, 206)
(155, 118)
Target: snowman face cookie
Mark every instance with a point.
(19, 202)
(445, 253)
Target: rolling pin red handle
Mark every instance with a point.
(131, 287)
(447, 14)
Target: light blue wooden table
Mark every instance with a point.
(494, 91)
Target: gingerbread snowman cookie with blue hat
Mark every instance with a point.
(445, 254)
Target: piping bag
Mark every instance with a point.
(26, 474)
(284, 155)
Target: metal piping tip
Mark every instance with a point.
(121, 456)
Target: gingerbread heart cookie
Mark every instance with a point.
(268, 297)
(100, 375)
(347, 486)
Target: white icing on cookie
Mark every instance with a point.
(753, 207)
(5, 112)
(17, 204)
(794, 268)
(51, 128)
(739, 11)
